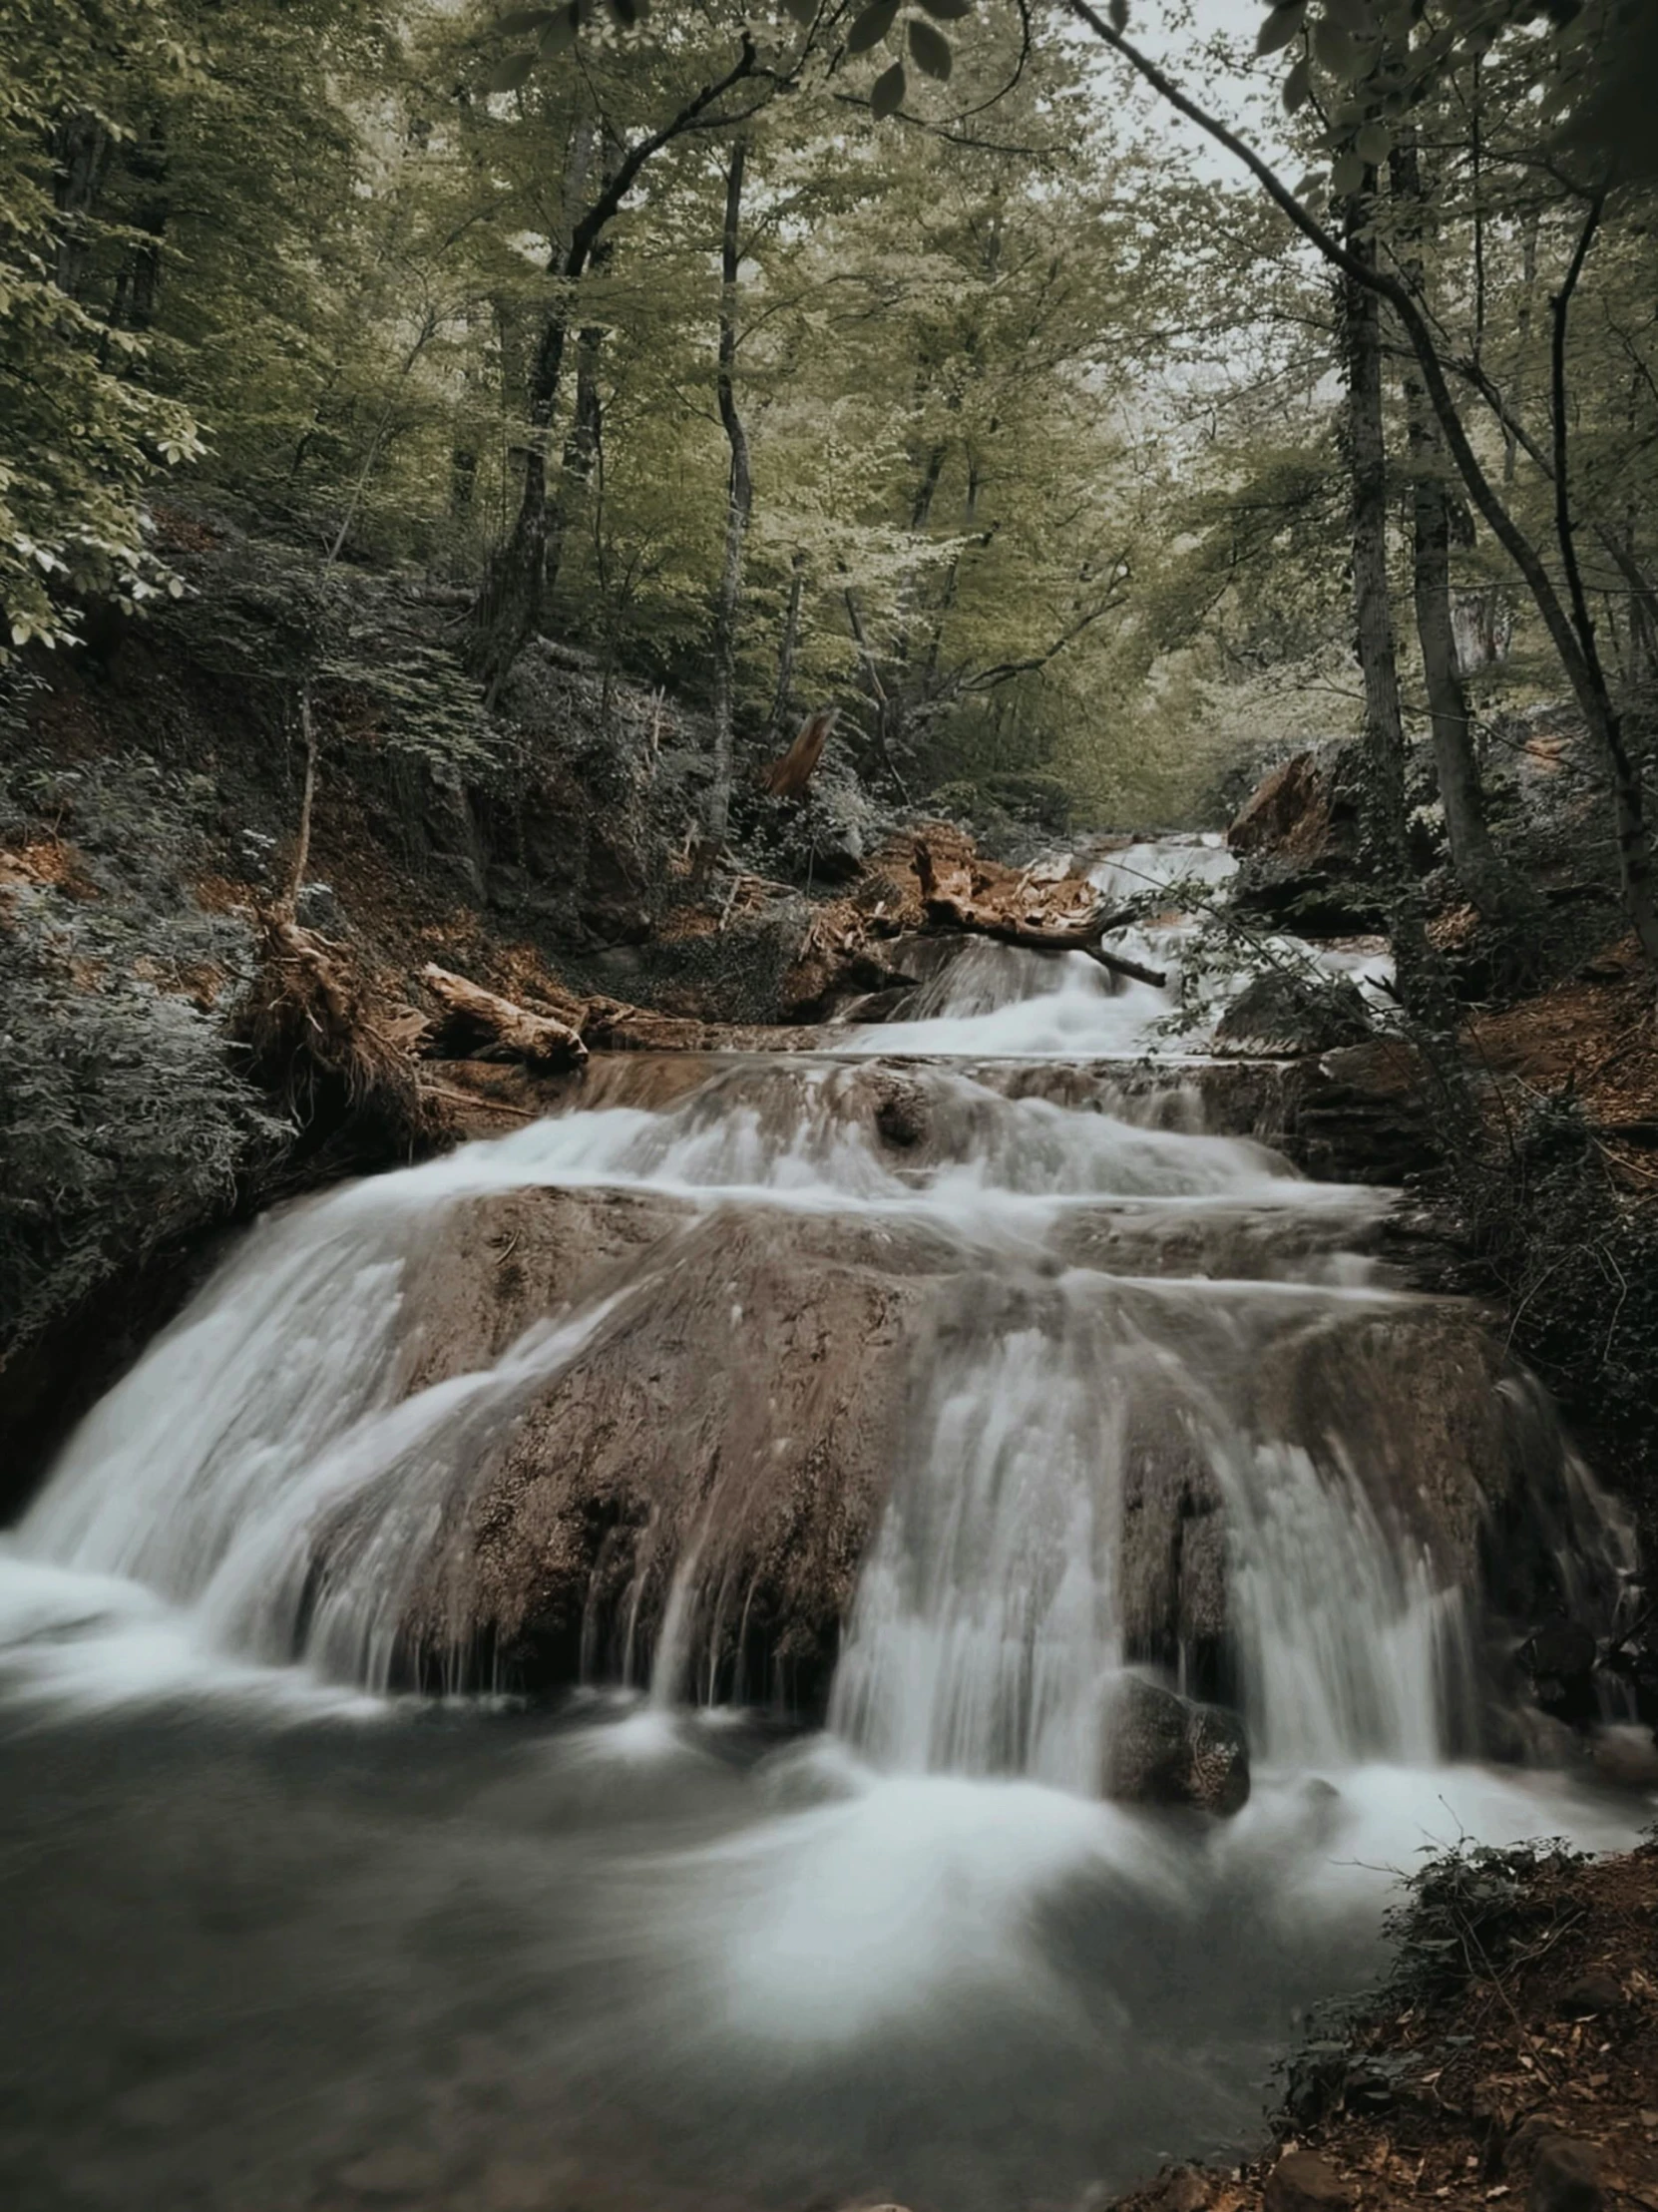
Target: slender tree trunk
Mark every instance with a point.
(510, 605)
(81, 153)
(782, 698)
(1634, 835)
(302, 841)
(1372, 613)
(515, 585)
(889, 711)
(1528, 300)
(1474, 858)
(947, 601)
(739, 507)
(423, 338)
(140, 280)
(582, 442)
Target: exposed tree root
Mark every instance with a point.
(318, 1038)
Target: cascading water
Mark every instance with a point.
(1011, 1378)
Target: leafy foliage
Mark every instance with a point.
(124, 1116)
(82, 435)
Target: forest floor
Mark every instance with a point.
(1511, 2059)
(1594, 1036)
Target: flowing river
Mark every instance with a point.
(843, 1425)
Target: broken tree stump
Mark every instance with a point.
(789, 775)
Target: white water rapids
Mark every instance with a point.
(648, 1952)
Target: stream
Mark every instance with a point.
(976, 1344)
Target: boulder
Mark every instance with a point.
(902, 1116)
(1625, 1756)
(1566, 2176)
(1283, 1014)
(1181, 2189)
(1360, 1113)
(1590, 1994)
(1163, 1749)
(557, 1548)
(1304, 2183)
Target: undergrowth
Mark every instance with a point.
(1573, 1258)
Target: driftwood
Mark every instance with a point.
(788, 776)
(1057, 917)
(479, 1023)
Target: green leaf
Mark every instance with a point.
(1119, 13)
(931, 51)
(1374, 143)
(561, 32)
(947, 11)
(507, 75)
(872, 26)
(1352, 16)
(1348, 175)
(1297, 87)
(1280, 27)
(804, 12)
(888, 95)
(524, 19)
(1334, 48)
(628, 13)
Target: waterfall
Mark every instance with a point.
(1131, 1400)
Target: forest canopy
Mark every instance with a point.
(916, 360)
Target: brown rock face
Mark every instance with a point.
(725, 1433)
(653, 1448)
(677, 1420)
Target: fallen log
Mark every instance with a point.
(481, 1024)
(1049, 918)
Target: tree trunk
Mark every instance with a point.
(81, 153)
(787, 652)
(1373, 612)
(1474, 858)
(788, 777)
(288, 902)
(739, 505)
(1529, 293)
(1635, 858)
(510, 604)
(141, 282)
(580, 448)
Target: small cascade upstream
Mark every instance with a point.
(885, 1391)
